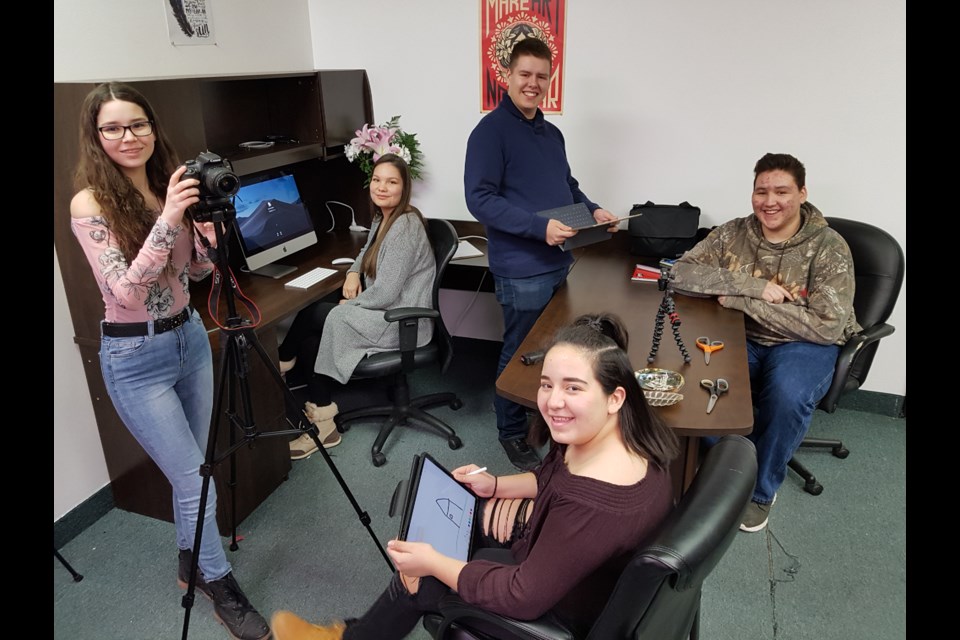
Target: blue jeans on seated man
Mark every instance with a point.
(162, 389)
(522, 301)
(787, 382)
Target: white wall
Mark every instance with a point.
(97, 40)
(667, 101)
(78, 465)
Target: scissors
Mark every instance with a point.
(716, 389)
(708, 346)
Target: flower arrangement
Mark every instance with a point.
(373, 142)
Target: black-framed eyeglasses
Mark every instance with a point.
(117, 131)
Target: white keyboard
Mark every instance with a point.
(310, 278)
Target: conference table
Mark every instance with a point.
(600, 281)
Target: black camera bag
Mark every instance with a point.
(664, 230)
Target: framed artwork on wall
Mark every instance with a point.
(505, 22)
(189, 22)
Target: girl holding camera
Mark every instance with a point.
(129, 218)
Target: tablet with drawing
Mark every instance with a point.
(438, 509)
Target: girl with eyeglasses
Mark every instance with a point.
(129, 218)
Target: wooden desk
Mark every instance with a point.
(600, 281)
(271, 297)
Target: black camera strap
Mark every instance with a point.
(213, 301)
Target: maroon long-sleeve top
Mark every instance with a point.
(580, 535)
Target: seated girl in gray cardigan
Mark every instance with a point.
(398, 269)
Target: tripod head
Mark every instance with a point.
(663, 282)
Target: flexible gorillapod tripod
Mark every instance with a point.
(237, 337)
(667, 309)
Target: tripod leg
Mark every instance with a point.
(363, 516)
(76, 576)
(206, 470)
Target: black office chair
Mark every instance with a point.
(658, 594)
(397, 364)
(878, 264)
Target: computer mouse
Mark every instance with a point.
(342, 261)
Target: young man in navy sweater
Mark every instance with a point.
(517, 165)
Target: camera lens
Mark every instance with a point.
(221, 182)
(228, 184)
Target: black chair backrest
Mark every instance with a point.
(444, 239)
(658, 594)
(878, 264)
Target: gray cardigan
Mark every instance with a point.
(406, 269)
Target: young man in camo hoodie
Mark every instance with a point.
(792, 276)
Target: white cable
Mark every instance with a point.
(353, 219)
(472, 237)
(476, 294)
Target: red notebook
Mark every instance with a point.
(643, 273)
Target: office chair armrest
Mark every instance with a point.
(470, 617)
(404, 313)
(409, 321)
(851, 350)
(847, 359)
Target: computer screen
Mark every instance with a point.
(272, 221)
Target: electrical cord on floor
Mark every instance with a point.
(476, 294)
(463, 314)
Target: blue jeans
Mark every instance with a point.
(787, 382)
(162, 389)
(522, 301)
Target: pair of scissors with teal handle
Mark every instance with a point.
(716, 389)
(708, 346)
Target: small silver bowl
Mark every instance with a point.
(660, 380)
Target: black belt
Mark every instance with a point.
(133, 329)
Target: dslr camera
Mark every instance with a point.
(218, 183)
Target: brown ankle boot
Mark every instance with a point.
(304, 446)
(289, 626)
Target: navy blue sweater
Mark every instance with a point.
(514, 168)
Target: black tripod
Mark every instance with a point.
(667, 309)
(237, 338)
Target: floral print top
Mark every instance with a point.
(146, 289)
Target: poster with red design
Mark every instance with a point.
(502, 24)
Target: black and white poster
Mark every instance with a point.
(189, 22)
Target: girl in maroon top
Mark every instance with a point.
(571, 525)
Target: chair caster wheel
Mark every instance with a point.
(343, 428)
(379, 459)
(814, 488)
(454, 442)
(840, 452)
(456, 404)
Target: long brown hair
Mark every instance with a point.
(128, 216)
(369, 264)
(602, 339)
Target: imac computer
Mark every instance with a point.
(272, 222)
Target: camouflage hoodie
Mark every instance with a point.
(815, 266)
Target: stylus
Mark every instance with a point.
(475, 471)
